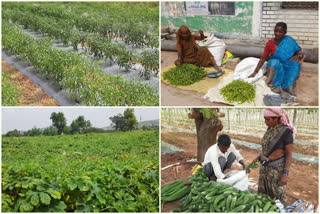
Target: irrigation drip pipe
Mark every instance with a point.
(107, 66)
(301, 132)
(296, 156)
(299, 125)
(61, 96)
(177, 164)
(300, 142)
(169, 148)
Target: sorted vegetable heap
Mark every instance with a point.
(253, 165)
(208, 196)
(238, 92)
(186, 74)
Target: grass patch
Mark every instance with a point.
(10, 92)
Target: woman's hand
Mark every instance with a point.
(179, 62)
(252, 75)
(244, 166)
(201, 35)
(259, 65)
(255, 160)
(283, 180)
(298, 56)
(295, 58)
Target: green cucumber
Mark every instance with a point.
(222, 205)
(176, 195)
(256, 208)
(169, 186)
(238, 209)
(175, 210)
(266, 207)
(173, 190)
(251, 209)
(229, 198)
(217, 200)
(233, 203)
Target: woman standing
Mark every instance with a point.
(276, 156)
(188, 51)
(286, 56)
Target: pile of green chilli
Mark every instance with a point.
(208, 196)
(238, 92)
(186, 74)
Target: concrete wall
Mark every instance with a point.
(254, 20)
(173, 15)
(302, 24)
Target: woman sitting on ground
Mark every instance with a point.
(283, 68)
(188, 51)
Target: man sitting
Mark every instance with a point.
(220, 157)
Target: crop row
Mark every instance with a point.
(110, 23)
(98, 45)
(76, 73)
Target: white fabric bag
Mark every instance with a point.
(246, 67)
(216, 47)
(237, 179)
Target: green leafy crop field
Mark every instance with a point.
(113, 172)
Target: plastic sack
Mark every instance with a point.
(299, 206)
(227, 55)
(237, 179)
(195, 169)
(246, 67)
(216, 47)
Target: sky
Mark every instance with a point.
(26, 118)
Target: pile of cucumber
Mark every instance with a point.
(174, 191)
(208, 196)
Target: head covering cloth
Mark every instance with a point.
(184, 29)
(284, 119)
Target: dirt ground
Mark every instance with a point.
(30, 94)
(298, 148)
(302, 182)
(298, 137)
(306, 90)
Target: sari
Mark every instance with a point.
(285, 71)
(189, 49)
(270, 174)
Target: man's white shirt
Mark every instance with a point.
(214, 153)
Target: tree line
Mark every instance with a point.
(120, 122)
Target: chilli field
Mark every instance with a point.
(113, 172)
(92, 53)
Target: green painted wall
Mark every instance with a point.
(240, 24)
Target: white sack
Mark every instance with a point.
(237, 179)
(246, 67)
(216, 47)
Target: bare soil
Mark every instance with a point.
(192, 127)
(30, 94)
(302, 149)
(306, 88)
(302, 182)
